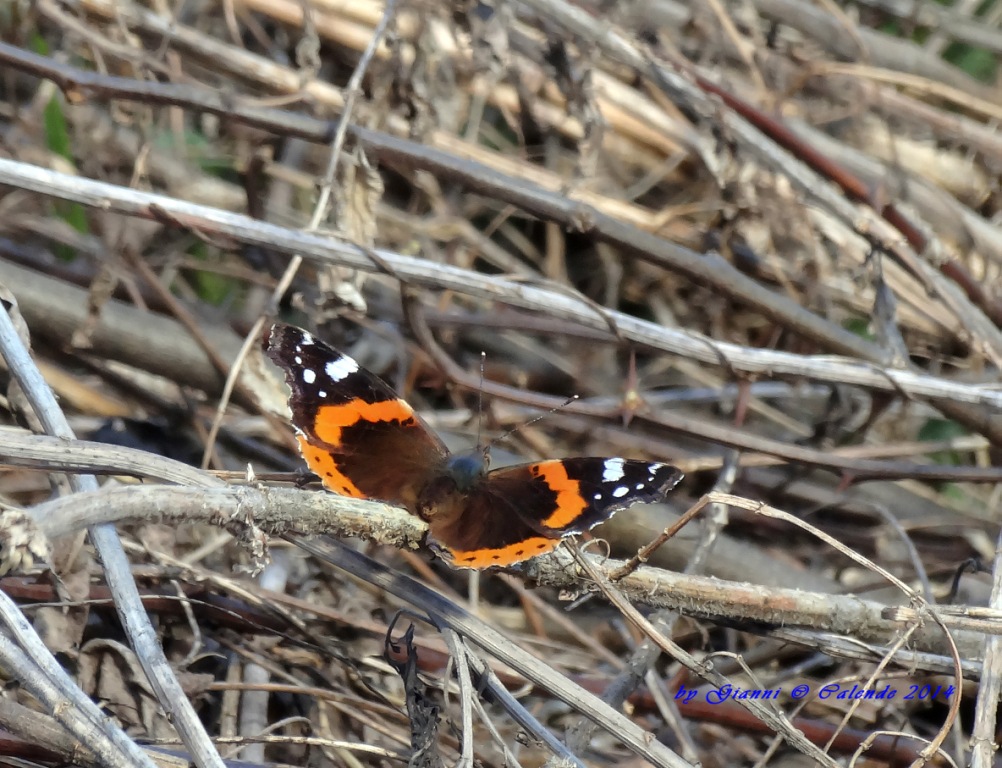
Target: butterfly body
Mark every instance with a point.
(365, 441)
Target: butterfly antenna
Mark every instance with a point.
(530, 422)
(480, 399)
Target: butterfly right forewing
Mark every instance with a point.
(523, 511)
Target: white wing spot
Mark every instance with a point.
(321, 393)
(307, 339)
(341, 368)
(597, 497)
(298, 359)
(640, 486)
(612, 471)
(309, 375)
(620, 492)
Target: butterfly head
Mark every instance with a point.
(468, 469)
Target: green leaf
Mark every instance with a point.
(860, 326)
(977, 62)
(57, 139)
(938, 430)
(211, 287)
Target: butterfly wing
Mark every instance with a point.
(520, 512)
(353, 430)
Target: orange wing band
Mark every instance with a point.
(513, 553)
(570, 504)
(331, 419)
(325, 464)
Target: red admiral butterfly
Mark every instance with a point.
(364, 441)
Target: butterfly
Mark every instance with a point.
(365, 441)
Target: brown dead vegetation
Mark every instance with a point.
(758, 239)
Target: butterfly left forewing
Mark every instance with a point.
(353, 430)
